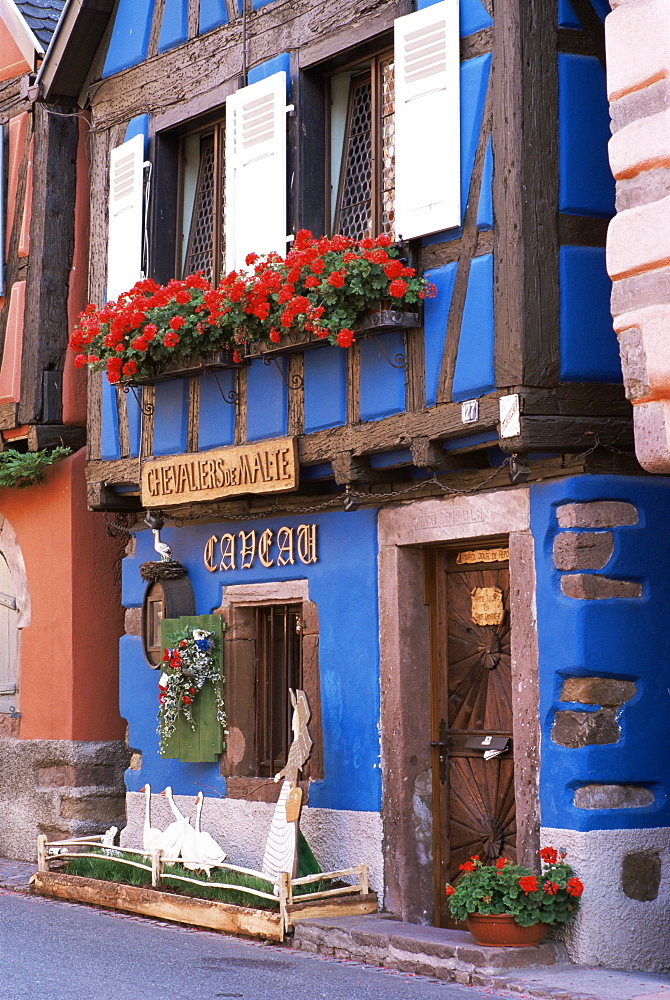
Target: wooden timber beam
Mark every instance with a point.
(45, 328)
(525, 192)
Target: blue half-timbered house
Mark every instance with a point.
(470, 549)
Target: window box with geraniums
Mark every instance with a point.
(320, 292)
(507, 905)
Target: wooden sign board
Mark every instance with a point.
(263, 467)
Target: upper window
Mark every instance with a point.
(362, 143)
(203, 242)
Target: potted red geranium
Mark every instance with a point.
(505, 904)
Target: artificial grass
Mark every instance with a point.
(104, 868)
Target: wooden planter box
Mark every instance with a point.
(162, 905)
(206, 913)
(373, 323)
(197, 364)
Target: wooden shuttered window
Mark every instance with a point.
(124, 240)
(427, 121)
(256, 170)
(206, 742)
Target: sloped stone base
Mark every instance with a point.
(60, 788)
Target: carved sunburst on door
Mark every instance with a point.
(479, 659)
(483, 814)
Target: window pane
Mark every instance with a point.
(201, 236)
(354, 211)
(278, 668)
(387, 221)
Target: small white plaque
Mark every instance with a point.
(470, 411)
(510, 416)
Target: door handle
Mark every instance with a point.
(439, 743)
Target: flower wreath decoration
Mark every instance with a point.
(187, 666)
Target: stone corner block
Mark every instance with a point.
(652, 435)
(592, 587)
(612, 797)
(597, 514)
(638, 239)
(638, 45)
(583, 549)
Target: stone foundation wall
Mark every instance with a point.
(623, 919)
(60, 788)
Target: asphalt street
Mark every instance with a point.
(51, 950)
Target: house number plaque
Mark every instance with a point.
(267, 467)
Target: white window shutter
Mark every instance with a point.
(124, 241)
(427, 121)
(256, 170)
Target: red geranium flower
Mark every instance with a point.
(393, 269)
(336, 279)
(449, 890)
(187, 700)
(528, 883)
(345, 338)
(467, 866)
(574, 887)
(501, 862)
(549, 855)
(176, 322)
(551, 888)
(397, 288)
(171, 339)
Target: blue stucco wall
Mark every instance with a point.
(382, 389)
(589, 346)
(130, 35)
(212, 14)
(586, 185)
(174, 26)
(343, 584)
(325, 377)
(267, 399)
(473, 375)
(615, 638)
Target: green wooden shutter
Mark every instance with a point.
(206, 742)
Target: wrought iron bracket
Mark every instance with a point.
(228, 397)
(399, 361)
(146, 408)
(297, 381)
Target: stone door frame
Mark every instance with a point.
(404, 532)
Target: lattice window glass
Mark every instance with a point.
(354, 213)
(205, 247)
(364, 175)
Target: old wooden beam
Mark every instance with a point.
(560, 433)
(348, 469)
(525, 193)
(45, 328)
(582, 230)
(49, 435)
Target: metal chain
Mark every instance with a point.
(360, 498)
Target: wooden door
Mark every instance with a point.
(474, 808)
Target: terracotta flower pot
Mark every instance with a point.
(502, 931)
